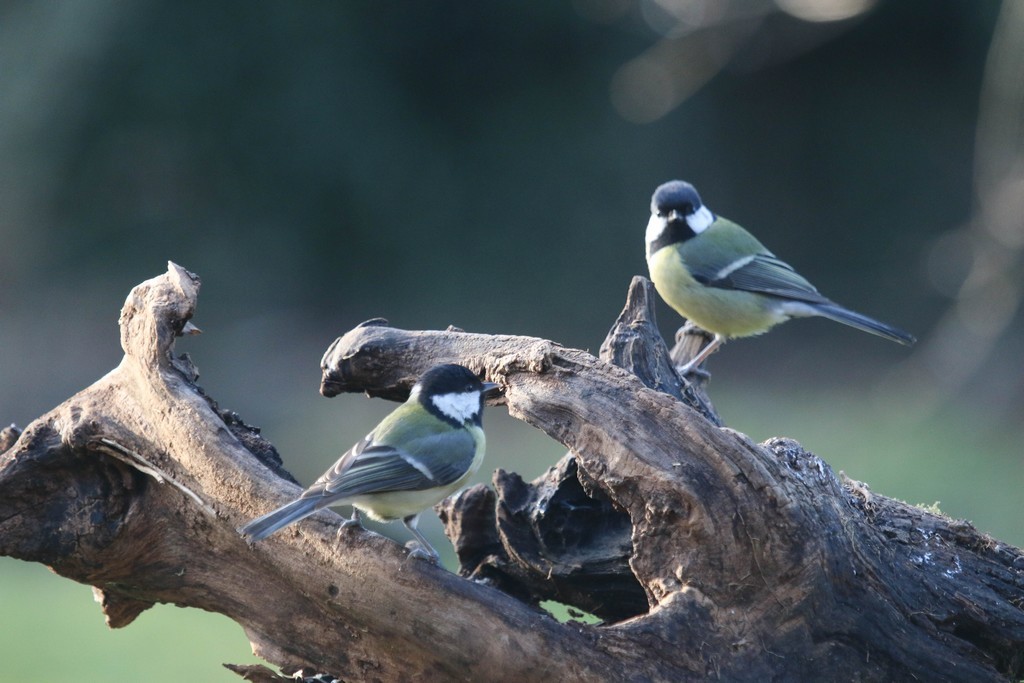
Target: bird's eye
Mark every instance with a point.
(684, 209)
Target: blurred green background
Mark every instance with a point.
(489, 165)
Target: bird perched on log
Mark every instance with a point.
(419, 454)
(720, 277)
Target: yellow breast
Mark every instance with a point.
(730, 313)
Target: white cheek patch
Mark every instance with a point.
(655, 227)
(459, 407)
(700, 220)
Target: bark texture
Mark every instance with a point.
(709, 556)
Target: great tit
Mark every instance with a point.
(720, 277)
(424, 450)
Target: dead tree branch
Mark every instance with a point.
(707, 554)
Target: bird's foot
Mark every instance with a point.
(417, 551)
(693, 366)
(696, 372)
(355, 521)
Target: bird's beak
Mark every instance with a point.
(674, 216)
(491, 390)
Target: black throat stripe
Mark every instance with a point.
(674, 232)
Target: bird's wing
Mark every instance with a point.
(762, 273)
(369, 467)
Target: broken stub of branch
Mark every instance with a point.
(706, 554)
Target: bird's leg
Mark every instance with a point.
(421, 547)
(355, 520)
(695, 362)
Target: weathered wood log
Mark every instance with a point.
(754, 562)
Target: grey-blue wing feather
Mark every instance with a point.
(766, 274)
(428, 462)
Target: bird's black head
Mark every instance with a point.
(452, 393)
(675, 196)
(449, 379)
(677, 215)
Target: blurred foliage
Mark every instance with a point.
(489, 165)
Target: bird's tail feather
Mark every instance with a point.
(864, 323)
(261, 527)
